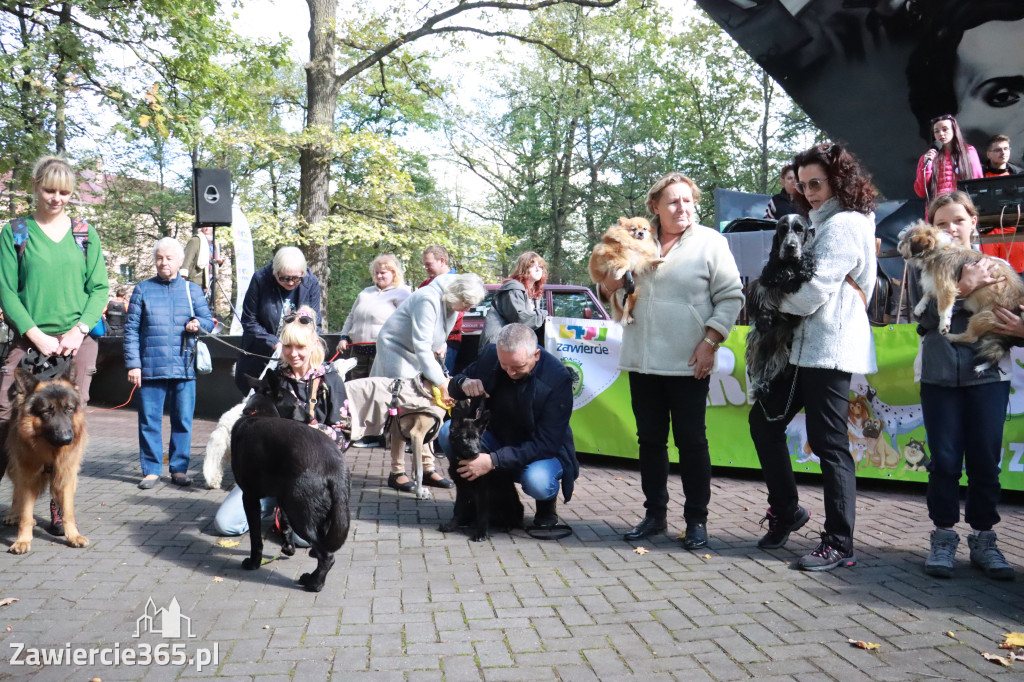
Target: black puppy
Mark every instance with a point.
(491, 500)
(770, 338)
(298, 465)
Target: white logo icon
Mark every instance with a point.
(164, 622)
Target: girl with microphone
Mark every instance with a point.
(949, 159)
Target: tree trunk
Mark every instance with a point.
(315, 156)
(60, 87)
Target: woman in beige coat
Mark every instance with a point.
(685, 310)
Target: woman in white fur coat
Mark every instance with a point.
(831, 343)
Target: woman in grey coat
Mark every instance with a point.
(411, 339)
(518, 299)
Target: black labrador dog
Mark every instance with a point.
(770, 339)
(491, 500)
(276, 457)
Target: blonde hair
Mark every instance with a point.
(295, 333)
(386, 261)
(654, 194)
(53, 172)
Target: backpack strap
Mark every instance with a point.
(19, 230)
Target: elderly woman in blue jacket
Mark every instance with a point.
(164, 315)
(277, 290)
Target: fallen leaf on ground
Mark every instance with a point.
(9, 628)
(8, 600)
(949, 633)
(1014, 638)
(864, 645)
(218, 579)
(641, 550)
(998, 659)
(228, 543)
(707, 556)
(618, 478)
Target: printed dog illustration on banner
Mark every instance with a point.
(915, 456)
(878, 452)
(896, 419)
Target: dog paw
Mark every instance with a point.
(11, 518)
(944, 329)
(478, 537)
(308, 581)
(20, 547)
(78, 541)
(423, 494)
(213, 483)
(250, 565)
(447, 527)
(288, 549)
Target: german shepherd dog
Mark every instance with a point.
(490, 500)
(770, 339)
(45, 441)
(302, 468)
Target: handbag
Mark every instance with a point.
(204, 364)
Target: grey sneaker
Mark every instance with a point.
(986, 556)
(940, 559)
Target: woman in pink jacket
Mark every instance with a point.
(949, 160)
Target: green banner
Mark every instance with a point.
(603, 423)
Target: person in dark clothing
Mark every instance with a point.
(117, 309)
(529, 396)
(277, 290)
(782, 203)
(997, 162)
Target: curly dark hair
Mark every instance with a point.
(849, 181)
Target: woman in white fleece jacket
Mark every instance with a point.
(831, 343)
(685, 309)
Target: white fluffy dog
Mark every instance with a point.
(218, 447)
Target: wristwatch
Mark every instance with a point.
(713, 344)
(81, 326)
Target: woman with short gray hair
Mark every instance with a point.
(411, 340)
(277, 290)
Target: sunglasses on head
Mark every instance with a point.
(303, 319)
(814, 184)
(286, 279)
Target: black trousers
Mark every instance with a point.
(659, 401)
(825, 395)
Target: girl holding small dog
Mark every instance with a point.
(949, 160)
(831, 342)
(320, 395)
(964, 412)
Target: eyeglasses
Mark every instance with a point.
(285, 279)
(303, 319)
(813, 184)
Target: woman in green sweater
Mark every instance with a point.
(53, 286)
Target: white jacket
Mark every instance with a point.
(697, 286)
(835, 332)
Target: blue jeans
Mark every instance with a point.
(230, 518)
(154, 393)
(965, 427)
(540, 479)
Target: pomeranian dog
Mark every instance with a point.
(627, 251)
(941, 263)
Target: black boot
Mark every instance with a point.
(546, 515)
(56, 520)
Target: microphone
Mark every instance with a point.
(937, 146)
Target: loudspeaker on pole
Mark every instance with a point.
(211, 193)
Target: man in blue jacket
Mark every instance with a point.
(529, 396)
(165, 314)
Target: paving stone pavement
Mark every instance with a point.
(407, 602)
